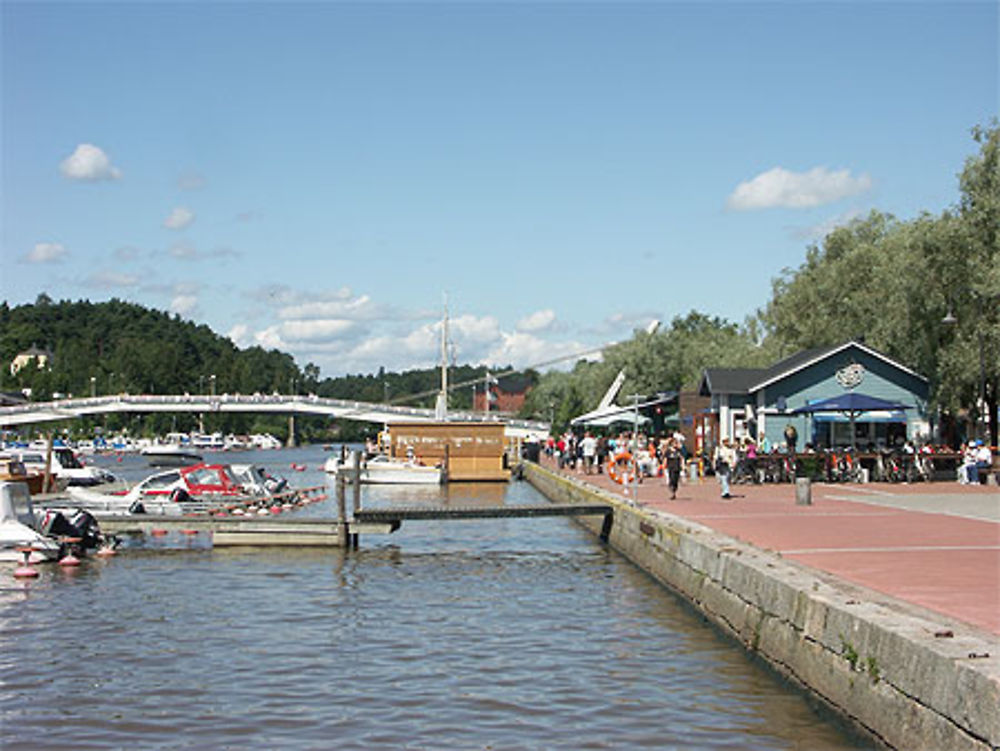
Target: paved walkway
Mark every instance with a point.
(932, 544)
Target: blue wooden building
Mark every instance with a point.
(759, 402)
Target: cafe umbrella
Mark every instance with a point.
(852, 405)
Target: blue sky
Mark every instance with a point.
(315, 177)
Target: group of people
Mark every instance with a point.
(650, 457)
(743, 460)
(976, 457)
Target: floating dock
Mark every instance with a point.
(290, 530)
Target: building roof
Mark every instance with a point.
(34, 351)
(749, 380)
(729, 380)
(807, 357)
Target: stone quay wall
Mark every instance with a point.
(887, 667)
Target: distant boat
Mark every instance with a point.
(171, 455)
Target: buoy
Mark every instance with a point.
(238, 512)
(157, 532)
(262, 512)
(275, 509)
(106, 551)
(189, 531)
(25, 570)
(69, 560)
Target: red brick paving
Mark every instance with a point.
(946, 563)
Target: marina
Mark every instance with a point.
(510, 633)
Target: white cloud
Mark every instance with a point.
(46, 253)
(185, 251)
(341, 307)
(781, 188)
(241, 335)
(89, 163)
(111, 280)
(524, 350)
(184, 304)
(179, 218)
(540, 320)
(310, 331)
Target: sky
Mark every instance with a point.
(321, 177)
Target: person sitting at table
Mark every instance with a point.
(984, 458)
(968, 473)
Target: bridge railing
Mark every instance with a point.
(72, 408)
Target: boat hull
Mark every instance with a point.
(388, 473)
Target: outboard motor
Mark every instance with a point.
(275, 485)
(55, 524)
(87, 528)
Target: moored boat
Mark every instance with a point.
(383, 470)
(170, 455)
(24, 536)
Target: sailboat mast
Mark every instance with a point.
(441, 408)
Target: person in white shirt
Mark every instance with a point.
(588, 448)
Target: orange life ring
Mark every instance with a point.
(623, 461)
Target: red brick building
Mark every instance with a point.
(506, 394)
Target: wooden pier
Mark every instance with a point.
(290, 530)
(423, 513)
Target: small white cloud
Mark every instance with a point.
(344, 307)
(240, 335)
(179, 218)
(184, 304)
(310, 331)
(111, 280)
(46, 253)
(522, 349)
(89, 164)
(781, 188)
(538, 321)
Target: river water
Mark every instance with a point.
(500, 634)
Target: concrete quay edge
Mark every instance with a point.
(886, 666)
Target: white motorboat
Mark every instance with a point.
(382, 470)
(170, 455)
(65, 466)
(19, 527)
(183, 490)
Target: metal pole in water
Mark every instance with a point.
(356, 477)
(341, 509)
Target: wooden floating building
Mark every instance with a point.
(472, 451)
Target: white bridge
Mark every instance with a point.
(71, 409)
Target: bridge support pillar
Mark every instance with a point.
(290, 443)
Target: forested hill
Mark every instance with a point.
(116, 346)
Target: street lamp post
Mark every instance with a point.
(93, 386)
(211, 380)
(982, 408)
(201, 385)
